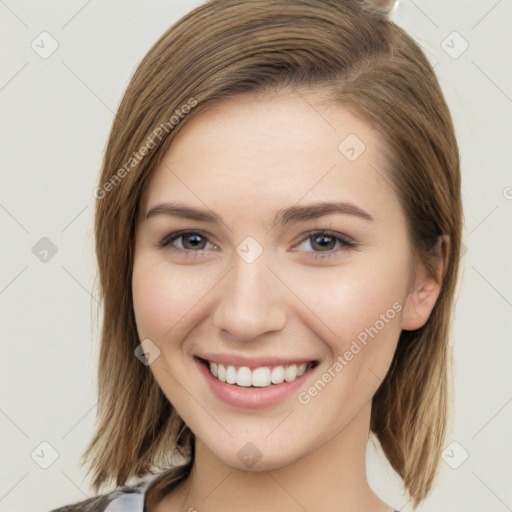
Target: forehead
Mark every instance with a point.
(262, 153)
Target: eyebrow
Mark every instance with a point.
(290, 215)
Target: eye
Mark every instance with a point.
(323, 242)
(326, 241)
(191, 242)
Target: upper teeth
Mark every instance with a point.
(259, 377)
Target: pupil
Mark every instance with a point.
(195, 239)
(329, 239)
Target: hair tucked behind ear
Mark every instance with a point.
(371, 67)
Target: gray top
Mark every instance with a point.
(122, 499)
(125, 498)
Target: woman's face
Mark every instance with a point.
(277, 240)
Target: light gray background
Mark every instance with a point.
(55, 117)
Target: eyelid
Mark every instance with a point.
(346, 243)
(339, 236)
(166, 241)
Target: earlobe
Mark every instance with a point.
(420, 302)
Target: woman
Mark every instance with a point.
(278, 230)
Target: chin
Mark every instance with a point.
(256, 455)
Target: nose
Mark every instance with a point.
(251, 301)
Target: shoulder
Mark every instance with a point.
(101, 502)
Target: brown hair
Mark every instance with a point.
(227, 47)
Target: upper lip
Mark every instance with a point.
(253, 362)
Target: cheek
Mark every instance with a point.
(363, 316)
(162, 298)
(346, 301)
(357, 311)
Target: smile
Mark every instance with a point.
(260, 377)
(254, 383)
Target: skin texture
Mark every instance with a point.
(246, 159)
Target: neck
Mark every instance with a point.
(333, 477)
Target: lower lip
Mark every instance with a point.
(250, 397)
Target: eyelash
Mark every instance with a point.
(346, 243)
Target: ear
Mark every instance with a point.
(422, 298)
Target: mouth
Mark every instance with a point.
(263, 376)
